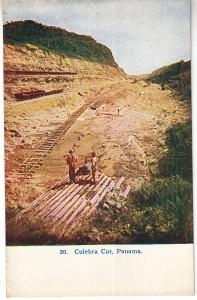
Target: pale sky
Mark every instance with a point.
(143, 35)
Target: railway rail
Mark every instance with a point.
(28, 167)
(26, 72)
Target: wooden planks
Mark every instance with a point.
(62, 208)
(126, 192)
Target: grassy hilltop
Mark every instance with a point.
(57, 40)
(176, 77)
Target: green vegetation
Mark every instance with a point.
(176, 77)
(166, 205)
(57, 40)
(178, 159)
(167, 72)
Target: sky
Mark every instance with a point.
(143, 35)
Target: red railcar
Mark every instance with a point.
(29, 95)
(35, 94)
(54, 92)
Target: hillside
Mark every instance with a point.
(89, 75)
(57, 40)
(176, 77)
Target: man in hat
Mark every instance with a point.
(71, 160)
(93, 166)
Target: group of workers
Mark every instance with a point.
(89, 166)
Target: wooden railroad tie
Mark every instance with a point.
(61, 209)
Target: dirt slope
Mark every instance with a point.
(33, 59)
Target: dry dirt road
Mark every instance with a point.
(128, 143)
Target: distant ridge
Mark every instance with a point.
(57, 40)
(170, 70)
(176, 77)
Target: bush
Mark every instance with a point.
(173, 196)
(172, 71)
(176, 77)
(178, 159)
(153, 225)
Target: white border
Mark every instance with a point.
(2, 182)
(2, 215)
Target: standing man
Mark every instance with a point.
(93, 166)
(71, 160)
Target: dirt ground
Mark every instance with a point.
(127, 142)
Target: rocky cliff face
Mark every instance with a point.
(58, 41)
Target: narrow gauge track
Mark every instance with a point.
(28, 167)
(25, 72)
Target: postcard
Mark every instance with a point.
(98, 147)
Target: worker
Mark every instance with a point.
(118, 111)
(71, 160)
(93, 166)
(84, 169)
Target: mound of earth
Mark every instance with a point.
(57, 40)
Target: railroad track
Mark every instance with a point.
(28, 167)
(25, 72)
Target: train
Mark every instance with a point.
(35, 94)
